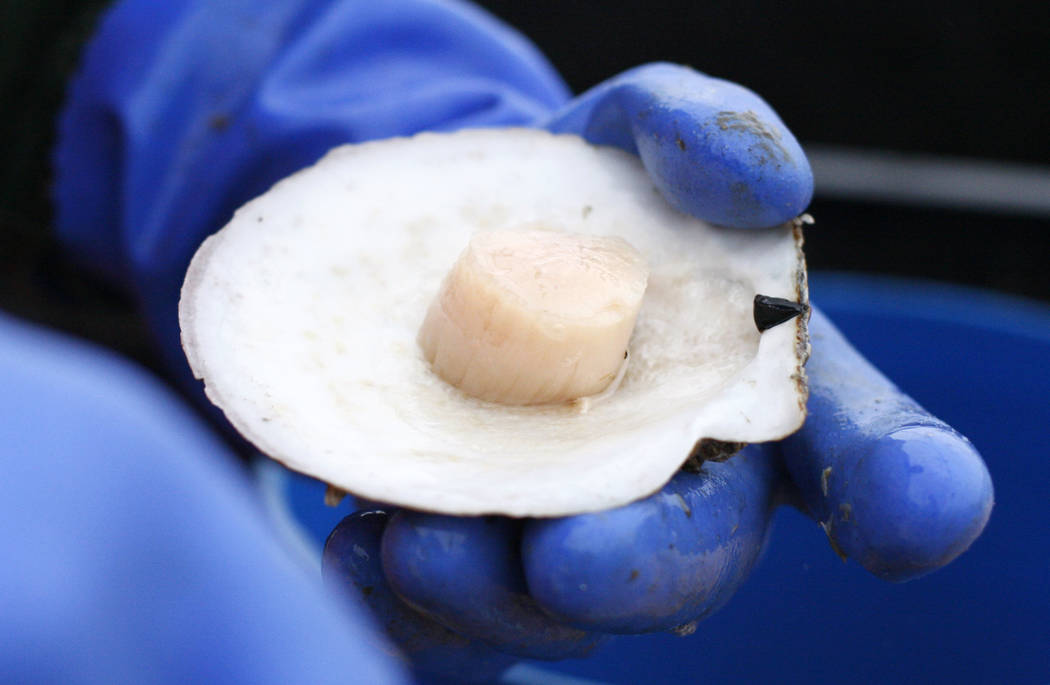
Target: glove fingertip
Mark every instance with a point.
(713, 148)
(916, 500)
(716, 149)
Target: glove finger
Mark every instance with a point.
(660, 563)
(715, 149)
(466, 573)
(351, 564)
(894, 487)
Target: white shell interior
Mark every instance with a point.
(301, 318)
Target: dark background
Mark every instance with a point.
(943, 78)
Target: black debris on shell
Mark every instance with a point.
(709, 449)
(773, 311)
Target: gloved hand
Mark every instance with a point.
(892, 487)
(182, 114)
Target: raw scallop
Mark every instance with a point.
(301, 317)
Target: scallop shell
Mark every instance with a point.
(301, 317)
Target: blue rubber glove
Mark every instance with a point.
(180, 116)
(134, 552)
(893, 487)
